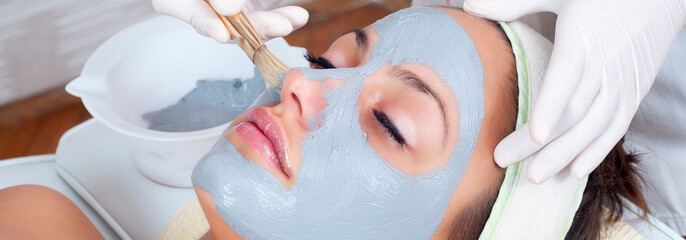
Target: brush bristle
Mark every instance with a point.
(247, 39)
(269, 66)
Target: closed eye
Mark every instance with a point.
(389, 128)
(318, 61)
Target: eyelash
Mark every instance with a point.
(389, 128)
(318, 61)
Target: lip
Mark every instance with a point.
(262, 132)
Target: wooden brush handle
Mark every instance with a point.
(242, 32)
(243, 26)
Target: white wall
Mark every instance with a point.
(44, 43)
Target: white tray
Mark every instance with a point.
(96, 162)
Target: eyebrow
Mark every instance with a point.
(361, 39)
(413, 81)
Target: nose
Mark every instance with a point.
(303, 97)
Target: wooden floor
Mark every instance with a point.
(34, 126)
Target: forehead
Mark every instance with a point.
(427, 36)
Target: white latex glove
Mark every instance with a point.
(268, 23)
(605, 58)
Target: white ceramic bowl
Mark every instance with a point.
(149, 66)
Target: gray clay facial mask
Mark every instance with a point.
(209, 104)
(345, 190)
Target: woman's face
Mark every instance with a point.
(372, 142)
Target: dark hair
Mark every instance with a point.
(616, 177)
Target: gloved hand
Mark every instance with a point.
(268, 23)
(605, 58)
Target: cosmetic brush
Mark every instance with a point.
(245, 36)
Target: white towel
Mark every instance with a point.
(524, 210)
(188, 222)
